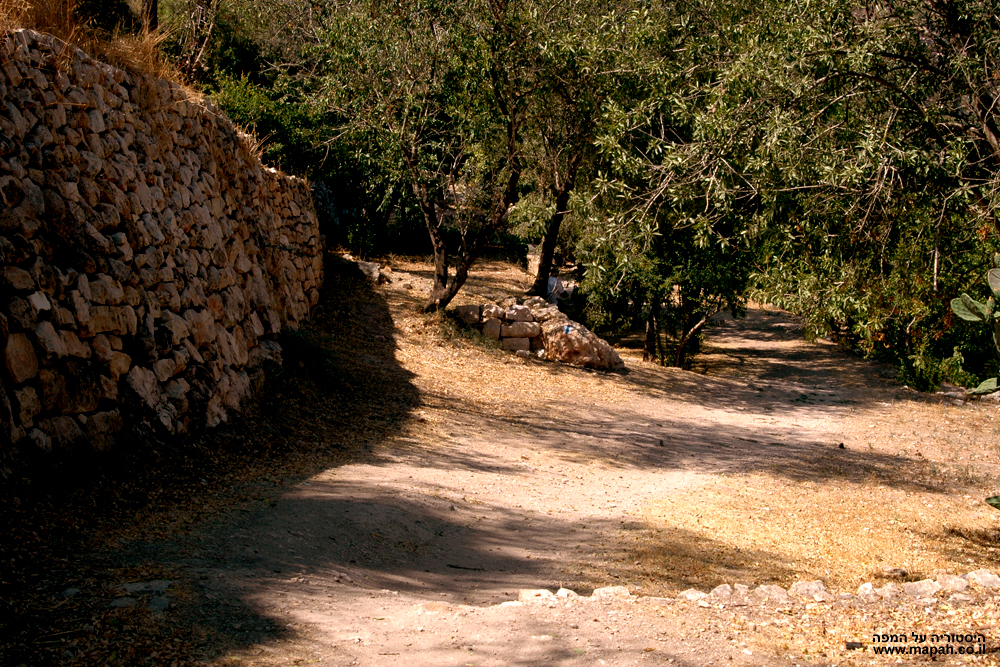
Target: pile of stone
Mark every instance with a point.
(514, 326)
(956, 587)
(540, 327)
(147, 258)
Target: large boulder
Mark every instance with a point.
(572, 343)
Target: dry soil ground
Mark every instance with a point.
(410, 478)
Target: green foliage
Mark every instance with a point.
(972, 310)
(926, 372)
(288, 130)
(820, 155)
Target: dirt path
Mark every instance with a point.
(777, 461)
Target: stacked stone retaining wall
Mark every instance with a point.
(147, 258)
(539, 327)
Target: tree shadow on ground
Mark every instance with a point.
(326, 546)
(638, 437)
(972, 542)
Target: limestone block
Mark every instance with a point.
(722, 592)
(17, 279)
(771, 593)
(468, 314)
(164, 369)
(549, 313)
(952, 583)
(492, 328)
(101, 428)
(74, 346)
(983, 578)
(177, 389)
(81, 309)
(692, 595)
(143, 382)
(64, 431)
(28, 405)
(132, 296)
(889, 591)
(535, 302)
(224, 346)
(611, 592)
(177, 326)
(23, 313)
(64, 317)
(109, 388)
(102, 348)
(516, 313)
(924, 588)
(181, 358)
(83, 287)
(514, 344)
(168, 296)
(40, 301)
(239, 345)
(20, 358)
(49, 341)
(119, 365)
(216, 306)
(106, 290)
(193, 351)
(201, 325)
(255, 322)
(521, 330)
(233, 306)
(813, 590)
(105, 319)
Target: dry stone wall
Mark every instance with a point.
(147, 258)
(539, 327)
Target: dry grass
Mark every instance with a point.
(756, 526)
(139, 53)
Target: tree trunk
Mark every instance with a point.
(442, 294)
(151, 14)
(541, 285)
(652, 330)
(682, 343)
(438, 297)
(686, 338)
(440, 288)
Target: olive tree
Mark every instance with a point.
(438, 91)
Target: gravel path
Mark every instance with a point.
(483, 484)
(518, 475)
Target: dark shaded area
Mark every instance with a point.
(974, 542)
(339, 393)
